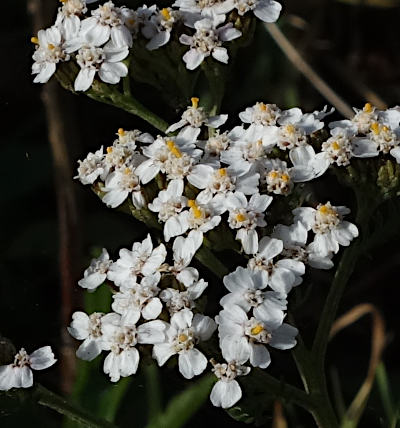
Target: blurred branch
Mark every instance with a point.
(61, 133)
(298, 61)
(355, 410)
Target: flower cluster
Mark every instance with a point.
(206, 176)
(99, 42)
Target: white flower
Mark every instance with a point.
(169, 202)
(119, 184)
(294, 239)
(246, 216)
(88, 329)
(307, 165)
(261, 114)
(19, 373)
(276, 176)
(265, 10)
(106, 22)
(120, 339)
(91, 168)
(96, 273)
(216, 144)
(176, 300)
(281, 275)
(181, 337)
(135, 300)
(203, 215)
(384, 137)
(247, 149)
(49, 52)
(105, 61)
(247, 290)
(364, 118)
(222, 181)
(227, 392)
(142, 260)
(158, 28)
(173, 156)
(240, 335)
(205, 7)
(327, 223)
(195, 117)
(207, 40)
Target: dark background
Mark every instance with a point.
(354, 47)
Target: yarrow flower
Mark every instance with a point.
(19, 373)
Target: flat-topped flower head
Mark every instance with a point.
(87, 328)
(265, 10)
(207, 40)
(227, 392)
(49, 51)
(338, 150)
(181, 337)
(19, 373)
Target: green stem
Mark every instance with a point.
(49, 399)
(153, 392)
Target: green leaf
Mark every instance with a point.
(184, 405)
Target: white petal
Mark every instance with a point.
(152, 309)
(42, 358)
(192, 363)
(84, 79)
(225, 394)
(259, 356)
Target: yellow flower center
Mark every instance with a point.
(375, 128)
(35, 40)
(173, 149)
(109, 149)
(290, 129)
(127, 171)
(195, 102)
(51, 46)
(165, 13)
(257, 329)
(240, 217)
(196, 210)
(335, 145)
(263, 107)
(368, 108)
(222, 172)
(182, 338)
(121, 132)
(326, 210)
(285, 178)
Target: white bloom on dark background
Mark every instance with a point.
(106, 62)
(265, 10)
(96, 273)
(207, 40)
(181, 337)
(87, 328)
(19, 373)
